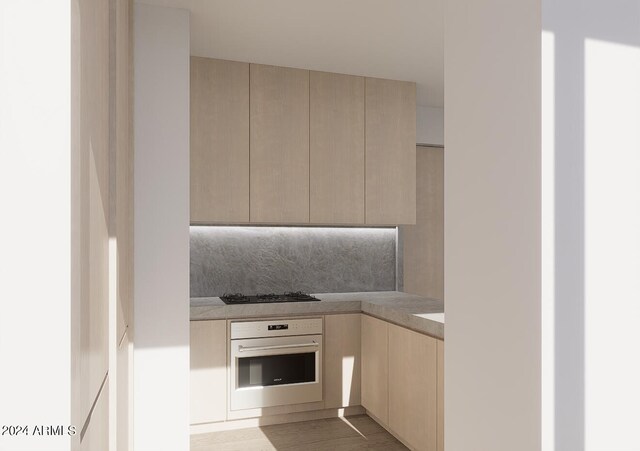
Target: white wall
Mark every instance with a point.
(161, 205)
(492, 225)
(35, 230)
(430, 125)
(591, 313)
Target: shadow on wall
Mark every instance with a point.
(591, 218)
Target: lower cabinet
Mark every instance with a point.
(402, 383)
(342, 360)
(208, 390)
(413, 387)
(440, 433)
(375, 367)
(396, 374)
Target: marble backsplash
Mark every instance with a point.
(278, 259)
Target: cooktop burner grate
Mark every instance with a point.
(267, 298)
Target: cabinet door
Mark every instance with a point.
(342, 360)
(96, 436)
(423, 243)
(279, 160)
(413, 387)
(375, 367)
(390, 152)
(208, 371)
(219, 141)
(440, 433)
(336, 148)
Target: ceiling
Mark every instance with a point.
(400, 40)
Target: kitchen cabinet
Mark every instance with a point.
(413, 387)
(342, 360)
(440, 432)
(219, 141)
(390, 151)
(375, 367)
(208, 374)
(423, 243)
(277, 145)
(403, 382)
(279, 149)
(96, 436)
(336, 148)
(91, 198)
(124, 393)
(396, 374)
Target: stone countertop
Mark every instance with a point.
(414, 312)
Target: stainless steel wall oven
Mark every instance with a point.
(275, 362)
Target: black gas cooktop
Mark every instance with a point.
(292, 296)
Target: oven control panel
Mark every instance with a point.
(276, 328)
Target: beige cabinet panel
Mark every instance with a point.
(336, 148)
(390, 151)
(124, 162)
(219, 141)
(423, 243)
(375, 367)
(124, 395)
(279, 155)
(413, 387)
(94, 309)
(208, 381)
(440, 434)
(96, 437)
(90, 201)
(342, 360)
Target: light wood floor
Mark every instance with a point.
(335, 434)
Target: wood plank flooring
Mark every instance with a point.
(333, 434)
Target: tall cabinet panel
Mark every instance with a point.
(440, 433)
(219, 141)
(90, 213)
(342, 378)
(96, 435)
(390, 151)
(279, 155)
(336, 148)
(375, 367)
(413, 387)
(423, 243)
(208, 376)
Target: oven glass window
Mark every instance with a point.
(284, 369)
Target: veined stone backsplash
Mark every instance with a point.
(254, 260)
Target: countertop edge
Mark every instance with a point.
(212, 308)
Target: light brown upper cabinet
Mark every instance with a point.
(336, 148)
(279, 161)
(277, 145)
(390, 157)
(219, 141)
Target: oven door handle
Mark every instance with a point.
(267, 348)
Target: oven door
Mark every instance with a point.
(275, 371)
